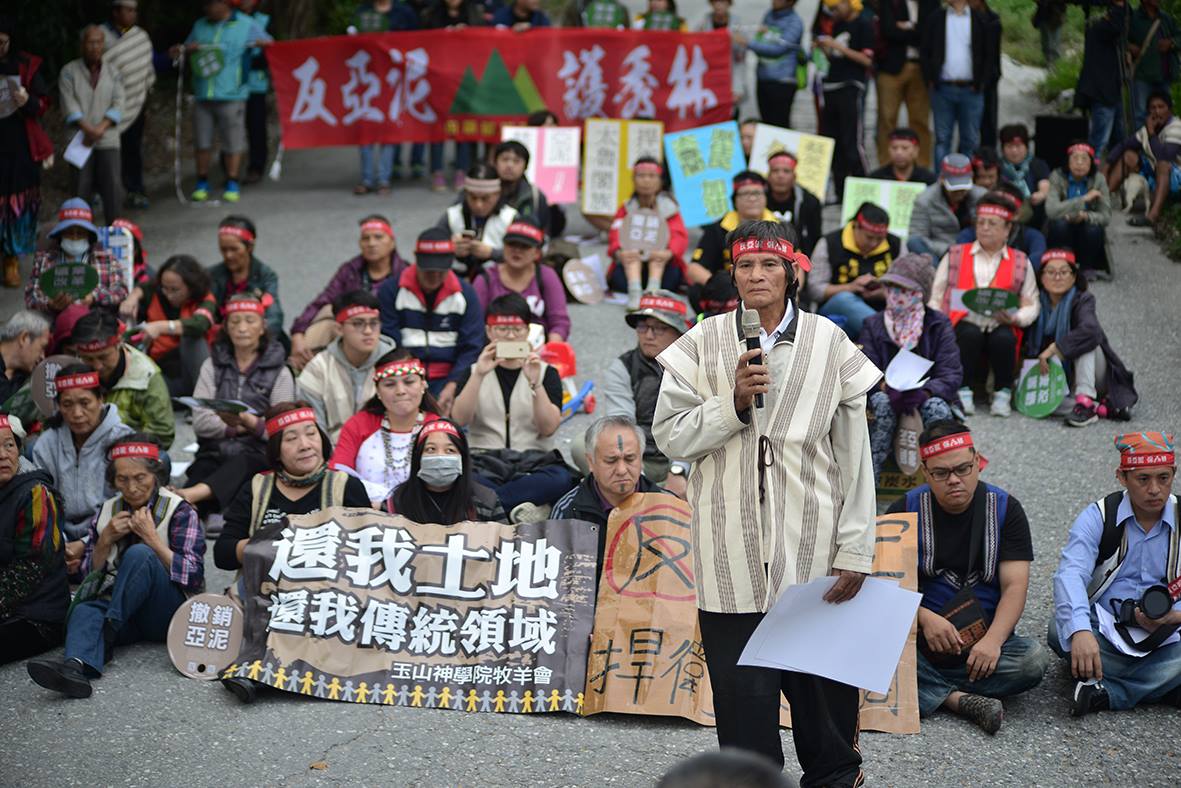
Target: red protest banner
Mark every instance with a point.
(466, 84)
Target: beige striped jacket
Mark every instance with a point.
(818, 513)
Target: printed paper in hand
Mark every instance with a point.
(78, 152)
(1108, 630)
(803, 633)
(907, 371)
(8, 87)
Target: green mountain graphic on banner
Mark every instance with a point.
(496, 93)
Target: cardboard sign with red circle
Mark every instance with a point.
(205, 635)
(41, 382)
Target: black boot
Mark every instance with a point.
(64, 676)
(242, 689)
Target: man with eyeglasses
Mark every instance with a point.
(1118, 549)
(339, 380)
(974, 556)
(712, 254)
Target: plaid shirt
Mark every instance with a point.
(186, 539)
(111, 289)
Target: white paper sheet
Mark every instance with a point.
(907, 371)
(179, 467)
(1107, 629)
(77, 152)
(858, 642)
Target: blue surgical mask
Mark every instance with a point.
(440, 470)
(75, 248)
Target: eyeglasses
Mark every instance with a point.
(364, 325)
(510, 331)
(943, 474)
(655, 329)
(749, 194)
(1057, 273)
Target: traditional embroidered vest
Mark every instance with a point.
(263, 484)
(493, 427)
(938, 586)
(1113, 546)
(165, 506)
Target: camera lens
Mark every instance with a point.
(1156, 602)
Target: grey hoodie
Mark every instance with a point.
(335, 388)
(80, 476)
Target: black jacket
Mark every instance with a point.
(934, 48)
(806, 214)
(1098, 81)
(892, 12)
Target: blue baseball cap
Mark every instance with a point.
(75, 212)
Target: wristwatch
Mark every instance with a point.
(678, 469)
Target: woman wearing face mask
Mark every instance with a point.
(375, 444)
(245, 364)
(241, 273)
(74, 240)
(1079, 209)
(1068, 329)
(478, 222)
(441, 488)
(144, 556)
(73, 451)
(299, 482)
(176, 316)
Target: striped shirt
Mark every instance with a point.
(818, 510)
(131, 53)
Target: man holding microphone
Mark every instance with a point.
(782, 491)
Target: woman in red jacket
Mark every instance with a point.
(635, 266)
(176, 316)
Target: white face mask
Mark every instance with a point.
(75, 247)
(440, 470)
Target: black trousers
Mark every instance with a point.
(224, 475)
(988, 122)
(998, 347)
(841, 120)
(774, 99)
(21, 639)
(746, 704)
(131, 146)
(256, 132)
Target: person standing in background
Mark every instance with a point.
(777, 44)
(957, 65)
(1152, 43)
(1048, 19)
(899, 75)
(992, 38)
(718, 18)
(256, 104)
(129, 50)
(1099, 92)
(850, 53)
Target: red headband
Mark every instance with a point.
(749, 182)
(1145, 450)
(288, 418)
(1059, 254)
(5, 424)
(75, 213)
(872, 227)
(989, 209)
(245, 305)
(379, 226)
(961, 440)
(143, 451)
(649, 167)
(357, 310)
(663, 304)
(979, 163)
(778, 247)
(438, 425)
(711, 305)
(527, 230)
(782, 154)
(78, 380)
(98, 345)
(1081, 147)
(396, 369)
(503, 320)
(238, 232)
(434, 247)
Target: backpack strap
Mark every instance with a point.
(261, 487)
(332, 491)
(1112, 538)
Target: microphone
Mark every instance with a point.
(750, 330)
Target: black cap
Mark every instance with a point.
(434, 250)
(525, 231)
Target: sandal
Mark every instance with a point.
(361, 190)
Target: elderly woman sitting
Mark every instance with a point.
(145, 555)
(909, 324)
(34, 594)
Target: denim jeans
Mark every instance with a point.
(1130, 681)
(140, 608)
(1106, 126)
(463, 156)
(377, 164)
(1022, 665)
(545, 485)
(849, 306)
(952, 106)
(918, 245)
(884, 422)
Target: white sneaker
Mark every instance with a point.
(967, 401)
(1001, 403)
(529, 512)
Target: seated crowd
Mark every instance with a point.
(432, 389)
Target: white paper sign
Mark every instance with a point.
(78, 152)
(907, 371)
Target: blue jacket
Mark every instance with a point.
(779, 47)
(446, 336)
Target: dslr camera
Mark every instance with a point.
(1155, 602)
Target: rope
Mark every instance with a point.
(180, 82)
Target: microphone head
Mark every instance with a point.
(750, 324)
